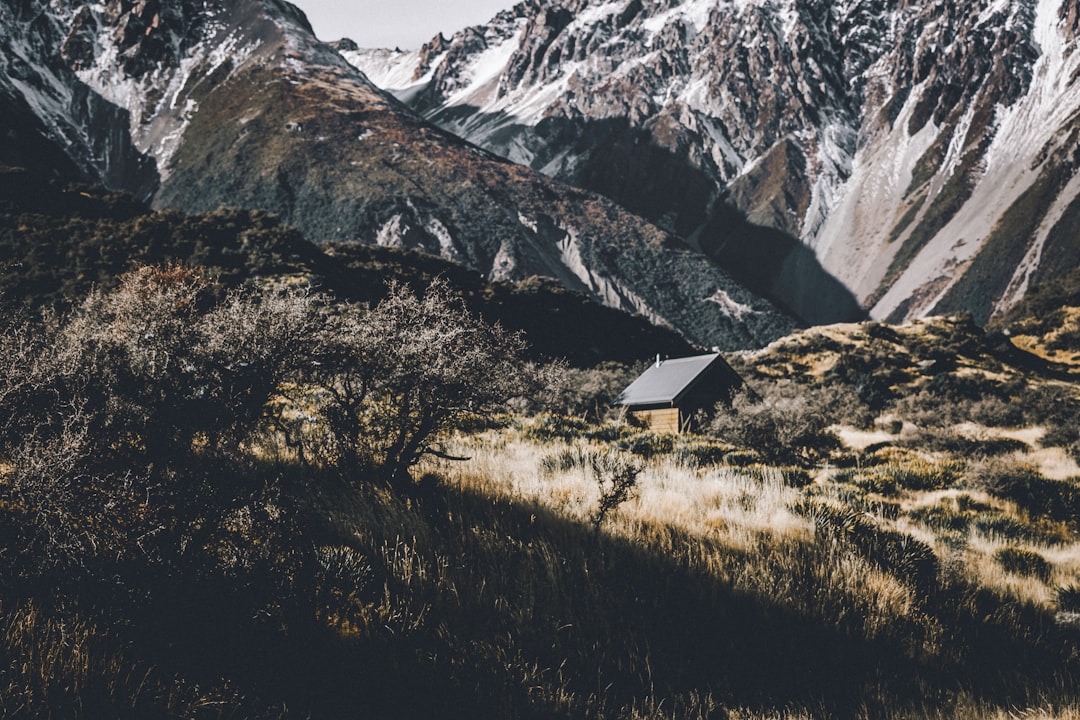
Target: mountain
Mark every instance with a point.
(197, 105)
(923, 154)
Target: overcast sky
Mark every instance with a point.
(407, 24)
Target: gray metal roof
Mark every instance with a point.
(664, 383)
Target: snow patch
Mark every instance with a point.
(447, 248)
(730, 307)
(392, 233)
(389, 68)
(695, 13)
(158, 130)
(481, 80)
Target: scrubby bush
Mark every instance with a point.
(565, 460)
(742, 458)
(1021, 561)
(616, 476)
(997, 411)
(1052, 405)
(942, 517)
(859, 386)
(1068, 598)
(894, 475)
(648, 444)
(700, 454)
(948, 398)
(1038, 496)
(555, 427)
(794, 477)
(609, 432)
(950, 441)
(784, 425)
(900, 554)
(127, 420)
(589, 393)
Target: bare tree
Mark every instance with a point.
(396, 377)
(128, 416)
(172, 365)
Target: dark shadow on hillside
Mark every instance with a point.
(778, 266)
(533, 590)
(500, 609)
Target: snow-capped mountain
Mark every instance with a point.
(925, 153)
(197, 104)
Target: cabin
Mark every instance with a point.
(667, 395)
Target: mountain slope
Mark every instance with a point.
(923, 152)
(238, 104)
(57, 243)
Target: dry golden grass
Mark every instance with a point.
(721, 503)
(755, 541)
(750, 511)
(1039, 344)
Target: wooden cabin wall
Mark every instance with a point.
(666, 420)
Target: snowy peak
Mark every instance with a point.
(898, 141)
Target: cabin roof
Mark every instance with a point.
(666, 381)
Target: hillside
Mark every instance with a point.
(185, 534)
(57, 242)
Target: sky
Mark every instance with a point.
(407, 24)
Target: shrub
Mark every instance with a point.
(564, 460)
(1021, 561)
(699, 454)
(133, 409)
(555, 427)
(893, 475)
(1052, 405)
(900, 554)
(609, 432)
(950, 441)
(616, 476)
(1068, 598)
(870, 480)
(742, 458)
(942, 517)
(648, 444)
(345, 569)
(589, 393)
(795, 477)
(949, 398)
(1022, 484)
(785, 426)
(1015, 529)
(996, 411)
(394, 378)
(922, 475)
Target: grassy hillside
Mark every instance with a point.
(1044, 322)
(889, 530)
